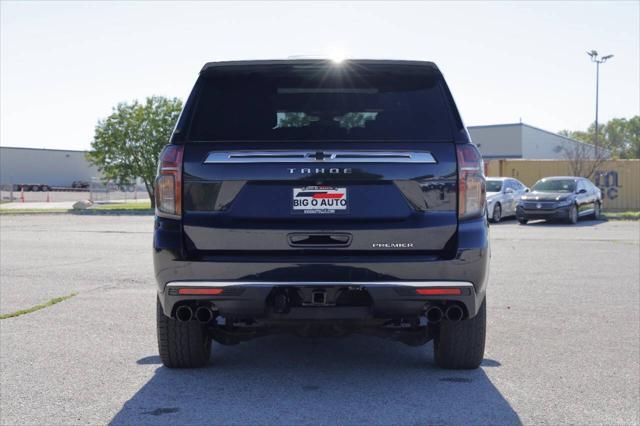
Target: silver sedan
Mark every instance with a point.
(502, 197)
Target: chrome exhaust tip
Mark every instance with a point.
(184, 313)
(454, 313)
(204, 314)
(434, 314)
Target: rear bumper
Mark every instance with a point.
(250, 299)
(389, 279)
(557, 213)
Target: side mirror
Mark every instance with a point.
(582, 191)
(527, 190)
(508, 191)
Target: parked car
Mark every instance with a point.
(320, 199)
(560, 198)
(503, 195)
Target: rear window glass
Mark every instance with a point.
(494, 185)
(320, 102)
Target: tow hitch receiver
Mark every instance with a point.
(318, 297)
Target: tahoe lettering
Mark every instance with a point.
(320, 170)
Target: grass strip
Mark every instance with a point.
(37, 307)
(31, 211)
(629, 215)
(117, 208)
(122, 206)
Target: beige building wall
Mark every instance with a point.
(619, 180)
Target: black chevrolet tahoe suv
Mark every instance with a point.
(321, 199)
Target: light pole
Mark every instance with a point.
(598, 61)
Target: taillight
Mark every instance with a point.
(169, 182)
(471, 182)
(200, 291)
(439, 291)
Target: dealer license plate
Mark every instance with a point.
(319, 200)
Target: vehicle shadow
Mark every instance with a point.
(582, 223)
(504, 221)
(286, 380)
(90, 212)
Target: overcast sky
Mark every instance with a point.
(65, 65)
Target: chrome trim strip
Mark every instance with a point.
(320, 283)
(325, 157)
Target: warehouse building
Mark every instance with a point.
(53, 167)
(499, 141)
(519, 140)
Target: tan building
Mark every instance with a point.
(619, 180)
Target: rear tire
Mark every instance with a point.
(523, 221)
(460, 345)
(497, 213)
(182, 344)
(573, 215)
(597, 211)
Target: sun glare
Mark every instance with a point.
(337, 55)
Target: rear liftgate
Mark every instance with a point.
(324, 201)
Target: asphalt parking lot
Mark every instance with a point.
(563, 340)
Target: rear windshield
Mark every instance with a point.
(320, 102)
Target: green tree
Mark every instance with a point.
(631, 141)
(126, 144)
(620, 136)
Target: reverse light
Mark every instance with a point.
(439, 291)
(169, 182)
(200, 291)
(471, 182)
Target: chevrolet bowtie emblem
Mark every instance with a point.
(320, 156)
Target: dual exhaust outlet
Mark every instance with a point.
(202, 314)
(452, 313)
